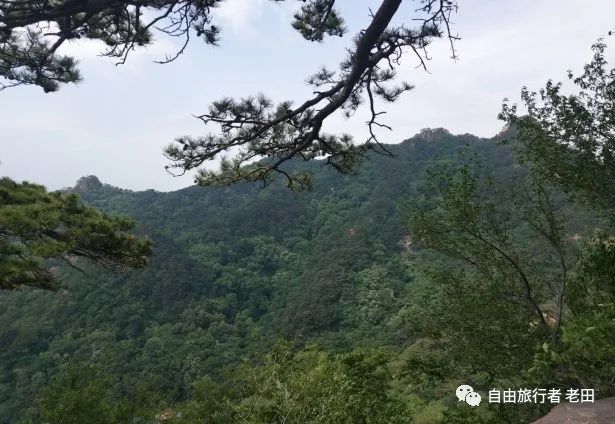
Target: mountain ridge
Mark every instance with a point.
(234, 270)
(93, 182)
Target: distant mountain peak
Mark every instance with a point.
(87, 183)
(431, 134)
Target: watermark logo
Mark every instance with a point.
(468, 395)
(536, 395)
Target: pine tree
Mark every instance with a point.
(38, 229)
(251, 128)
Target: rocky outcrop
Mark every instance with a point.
(85, 184)
(432, 134)
(600, 412)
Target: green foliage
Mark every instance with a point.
(588, 339)
(258, 139)
(233, 271)
(318, 18)
(312, 386)
(568, 138)
(19, 62)
(495, 229)
(78, 397)
(379, 329)
(36, 225)
(29, 52)
(501, 252)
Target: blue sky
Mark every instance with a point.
(115, 123)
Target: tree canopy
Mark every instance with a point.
(468, 217)
(376, 324)
(570, 138)
(252, 128)
(36, 226)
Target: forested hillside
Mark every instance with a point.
(260, 303)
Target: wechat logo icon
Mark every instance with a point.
(466, 393)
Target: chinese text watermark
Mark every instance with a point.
(541, 396)
(520, 396)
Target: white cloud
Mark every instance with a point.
(241, 16)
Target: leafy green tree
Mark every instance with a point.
(209, 402)
(570, 138)
(588, 338)
(250, 128)
(36, 226)
(520, 301)
(485, 226)
(313, 386)
(79, 399)
(86, 394)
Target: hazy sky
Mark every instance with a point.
(115, 123)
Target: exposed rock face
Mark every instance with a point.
(89, 183)
(431, 134)
(600, 412)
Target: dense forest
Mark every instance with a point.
(355, 302)
(307, 276)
